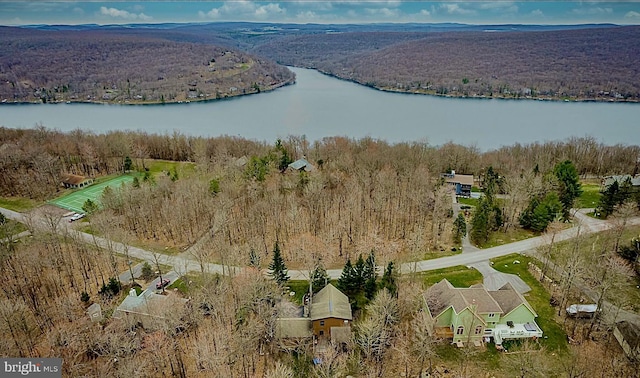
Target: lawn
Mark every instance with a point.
(554, 339)
(165, 166)
(300, 288)
(11, 227)
(459, 276)
(17, 203)
(590, 196)
(468, 201)
(514, 234)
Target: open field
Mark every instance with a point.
(76, 199)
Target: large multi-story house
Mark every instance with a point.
(476, 315)
(461, 183)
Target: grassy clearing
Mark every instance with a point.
(459, 276)
(590, 196)
(164, 166)
(300, 288)
(554, 339)
(11, 227)
(513, 235)
(468, 201)
(18, 204)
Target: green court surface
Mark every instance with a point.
(74, 201)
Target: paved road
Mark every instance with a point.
(182, 264)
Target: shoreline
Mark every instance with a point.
(152, 103)
(480, 97)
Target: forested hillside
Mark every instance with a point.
(120, 66)
(576, 64)
(188, 62)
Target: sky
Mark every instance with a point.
(308, 11)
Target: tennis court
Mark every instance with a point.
(74, 201)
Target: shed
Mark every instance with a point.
(582, 310)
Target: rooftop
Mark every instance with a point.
(73, 179)
(330, 303)
(443, 295)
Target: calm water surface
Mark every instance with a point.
(319, 106)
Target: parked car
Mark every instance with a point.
(75, 217)
(162, 283)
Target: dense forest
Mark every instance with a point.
(121, 67)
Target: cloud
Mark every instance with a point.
(384, 12)
(118, 13)
(307, 16)
(244, 10)
(537, 13)
(456, 9)
(498, 5)
(425, 12)
(592, 11)
(269, 10)
(632, 14)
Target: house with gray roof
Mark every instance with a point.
(475, 314)
(621, 179)
(148, 308)
(301, 165)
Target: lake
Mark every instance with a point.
(318, 106)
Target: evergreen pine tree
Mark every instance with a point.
(459, 228)
(277, 267)
(319, 277)
(389, 280)
(359, 270)
(569, 185)
(370, 285)
(347, 280)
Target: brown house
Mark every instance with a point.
(75, 181)
(330, 313)
(461, 183)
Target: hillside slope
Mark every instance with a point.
(125, 67)
(578, 64)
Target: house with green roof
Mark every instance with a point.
(330, 309)
(328, 317)
(476, 315)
